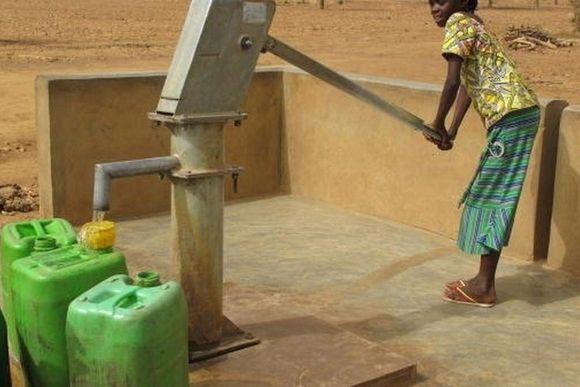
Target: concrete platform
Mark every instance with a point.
(340, 298)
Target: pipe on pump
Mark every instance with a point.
(105, 172)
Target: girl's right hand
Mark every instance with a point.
(446, 142)
(445, 146)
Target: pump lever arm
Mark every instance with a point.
(330, 76)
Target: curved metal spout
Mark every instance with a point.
(105, 172)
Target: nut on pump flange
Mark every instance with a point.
(246, 42)
(235, 171)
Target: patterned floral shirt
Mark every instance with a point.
(489, 76)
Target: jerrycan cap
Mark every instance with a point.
(99, 235)
(44, 243)
(148, 279)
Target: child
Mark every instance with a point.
(479, 71)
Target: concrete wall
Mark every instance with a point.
(564, 250)
(301, 136)
(346, 153)
(84, 120)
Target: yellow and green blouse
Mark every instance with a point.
(489, 76)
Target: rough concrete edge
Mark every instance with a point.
(42, 110)
(132, 74)
(415, 85)
(361, 78)
(406, 376)
(259, 69)
(113, 75)
(569, 110)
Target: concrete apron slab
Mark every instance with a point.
(339, 298)
(297, 348)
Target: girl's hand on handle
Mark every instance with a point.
(446, 142)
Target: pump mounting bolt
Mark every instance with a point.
(246, 42)
(235, 176)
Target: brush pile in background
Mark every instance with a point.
(14, 198)
(532, 37)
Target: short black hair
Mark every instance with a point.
(471, 5)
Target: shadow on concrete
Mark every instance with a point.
(546, 176)
(229, 383)
(533, 284)
(297, 326)
(384, 327)
(537, 286)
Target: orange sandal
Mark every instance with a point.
(455, 284)
(459, 296)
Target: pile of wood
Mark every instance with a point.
(532, 37)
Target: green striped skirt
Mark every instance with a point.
(491, 199)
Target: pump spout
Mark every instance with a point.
(105, 172)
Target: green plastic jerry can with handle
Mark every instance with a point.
(4, 361)
(44, 284)
(129, 333)
(18, 240)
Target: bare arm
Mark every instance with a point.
(449, 93)
(461, 105)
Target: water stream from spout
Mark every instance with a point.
(99, 216)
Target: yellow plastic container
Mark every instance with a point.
(97, 235)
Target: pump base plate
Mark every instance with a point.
(233, 339)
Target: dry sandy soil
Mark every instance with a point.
(387, 38)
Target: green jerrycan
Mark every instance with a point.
(4, 364)
(17, 240)
(44, 284)
(129, 333)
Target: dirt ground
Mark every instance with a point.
(394, 39)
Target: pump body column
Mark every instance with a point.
(206, 86)
(197, 226)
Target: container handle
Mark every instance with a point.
(38, 228)
(122, 297)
